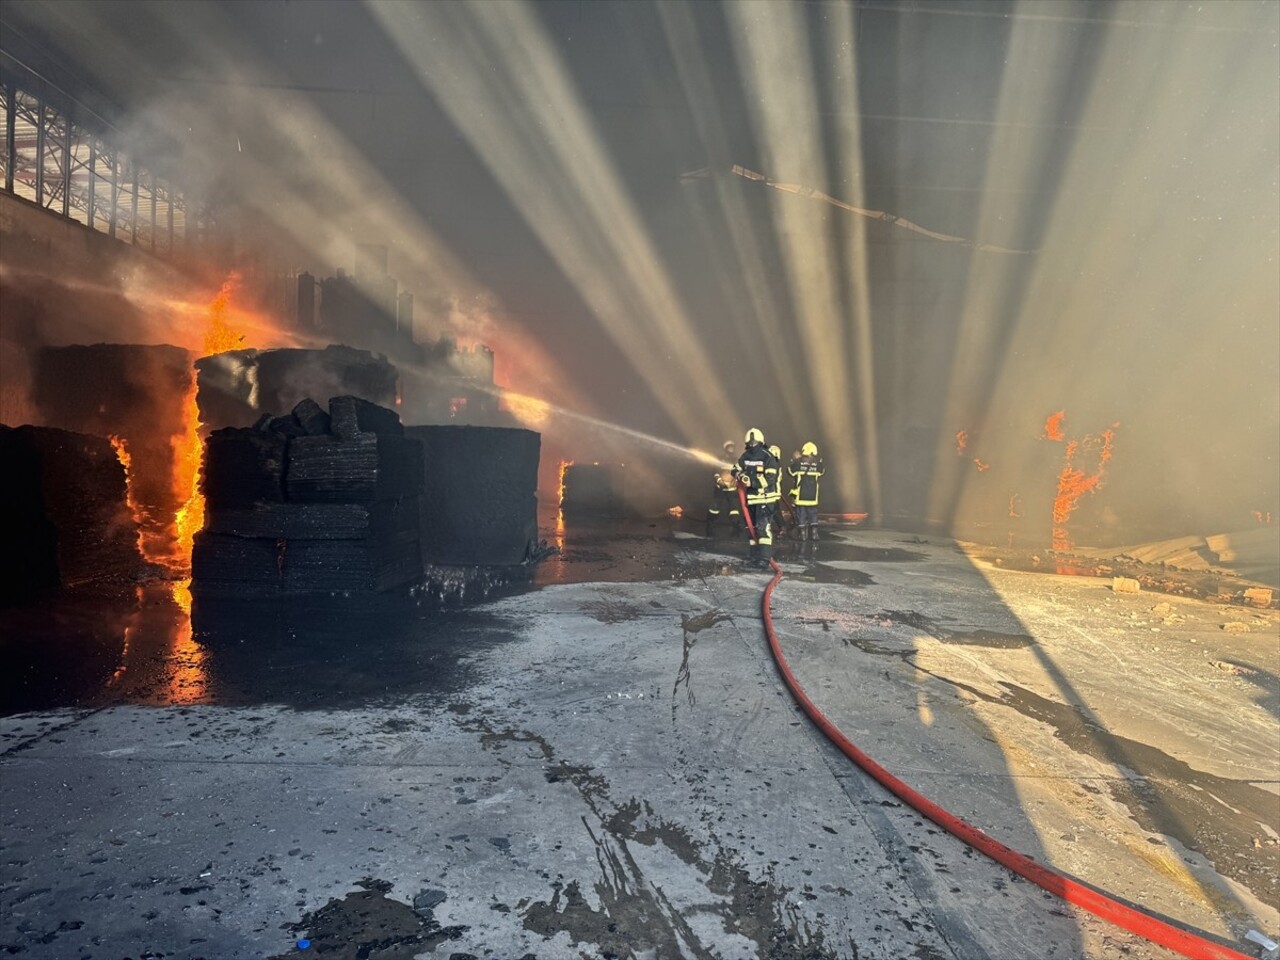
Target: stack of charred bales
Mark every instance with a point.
(63, 512)
(312, 502)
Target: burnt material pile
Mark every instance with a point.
(313, 502)
(64, 515)
(481, 504)
(235, 386)
(135, 392)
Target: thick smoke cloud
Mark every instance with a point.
(528, 166)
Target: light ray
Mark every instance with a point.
(497, 74)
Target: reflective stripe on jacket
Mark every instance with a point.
(758, 470)
(805, 472)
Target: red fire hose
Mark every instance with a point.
(746, 516)
(1099, 904)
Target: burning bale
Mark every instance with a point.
(294, 511)
(237, 385)
(480, 505)
(63, 511)
(134, 393)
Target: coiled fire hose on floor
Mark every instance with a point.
(1073, 891)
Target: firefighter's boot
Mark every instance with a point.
(753, 556)
(813, 532)
(803, 532)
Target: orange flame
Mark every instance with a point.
(560, 526)
(564, 468)
(982, 467)
(1073, 482)
(1262, 518)
(188, 453)
(962, 440)
(676, 511)
(218, 335)
(1053, 426)
(188, 446)
(1015, 504)
(126, 461)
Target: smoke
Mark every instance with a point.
(523, 164)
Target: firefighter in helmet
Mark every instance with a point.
(778, 513)
(757, 472)
(805, 470)
(724, 494)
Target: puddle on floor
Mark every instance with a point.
(366, 924)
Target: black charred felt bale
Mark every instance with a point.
(28, 539)
(70, 488)
(373, 564)
(368, 468)
(217, 557)
(589, 490)
(243, 466)
(309, 512)
(133, 391)
(350, 416)
(480, 499)
(317, 521)
(311, 417)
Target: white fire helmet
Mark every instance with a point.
(754, 436)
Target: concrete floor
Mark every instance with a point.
(607, 764)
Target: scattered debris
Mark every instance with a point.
(1258, 596)
(1235, 626)
(1233, 668)
(1270, 949)
(1125, 585)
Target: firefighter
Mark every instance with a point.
(724, 494)
(757, 472)
(805, 470)
(778, 514)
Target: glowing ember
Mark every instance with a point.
(1262, 517)
(962, 440)
(1053, 426)
(1015, 505)
(676, 511)
(1074, 482)
(982, 467)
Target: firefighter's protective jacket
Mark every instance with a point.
(757, 470)
(805, 471)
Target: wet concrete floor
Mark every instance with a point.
(606, 765)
